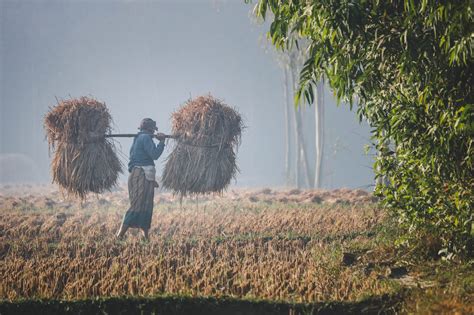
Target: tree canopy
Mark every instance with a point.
(409, 64)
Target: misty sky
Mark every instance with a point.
(144, 59)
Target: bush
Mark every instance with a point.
(410, 65)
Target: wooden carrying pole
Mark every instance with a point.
(132, 135)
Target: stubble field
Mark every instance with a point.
(283, 246)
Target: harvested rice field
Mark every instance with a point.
(292, 247)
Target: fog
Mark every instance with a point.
(144, 59)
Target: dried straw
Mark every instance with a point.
(84, 160)
(203, 159)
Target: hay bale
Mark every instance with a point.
(203, 159)
(84, 160)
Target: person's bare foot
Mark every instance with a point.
(145, 235)
(121, 231)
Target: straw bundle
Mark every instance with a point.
(203, 159)
(84, 160)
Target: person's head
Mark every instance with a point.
(148, 125)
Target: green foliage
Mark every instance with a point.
(410, 65)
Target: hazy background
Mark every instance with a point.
(144, 59)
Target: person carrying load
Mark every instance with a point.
(142, 181)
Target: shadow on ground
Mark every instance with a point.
(187, 305)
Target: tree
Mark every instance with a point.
(319, 133)
(410, 63)
(297, 142)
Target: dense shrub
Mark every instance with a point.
(409, 64)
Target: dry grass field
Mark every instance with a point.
(291, 246)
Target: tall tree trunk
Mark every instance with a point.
(287, 104)
(319, 130)
(301, 156)
(294, 115)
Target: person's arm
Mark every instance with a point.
(153, 151)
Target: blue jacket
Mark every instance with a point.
(144, 151)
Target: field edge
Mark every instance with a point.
(385, 304)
